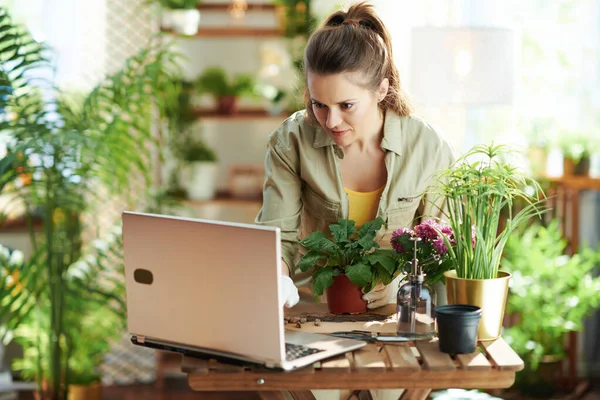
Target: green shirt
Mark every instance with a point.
(303, 190)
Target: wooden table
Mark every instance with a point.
(418, 367)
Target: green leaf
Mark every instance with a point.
(370, 227)
(343, 230)
(385, 258)
(367, 242)
(319, 242)
(322, 279)
(382, 275)
(311, 259)
(359, 273)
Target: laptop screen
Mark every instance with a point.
(206, 284)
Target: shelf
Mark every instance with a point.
(227, 6)
(243, 114)
(231, 32)
(576, 182)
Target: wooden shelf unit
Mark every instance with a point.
(243, 114)
(227, 6)
(564, 195)
(231, 32)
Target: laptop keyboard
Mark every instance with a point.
(295, 351)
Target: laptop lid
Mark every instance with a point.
(205, 284)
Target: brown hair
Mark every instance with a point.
(351, 41)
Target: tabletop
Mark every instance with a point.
(417, 365)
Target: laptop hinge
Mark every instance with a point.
(141, 339)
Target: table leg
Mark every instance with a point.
(302, 395)
(415, 394)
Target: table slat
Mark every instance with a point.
(433, 358)
(389, 379)
(194, 365)
(475, 361)
(337, 364)
(503, 355)
(401, 357)
(368, 359)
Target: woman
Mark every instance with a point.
(355, 152)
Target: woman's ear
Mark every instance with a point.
(382, 91)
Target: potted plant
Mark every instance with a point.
(99, 145)
(576, 154)
(92, 326)
(552, 293)
(432, 251)
(479, 190)
(199, 172)
(225, 90)
(275, 97)
(348, 264)
(180, 16)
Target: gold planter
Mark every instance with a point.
(85, 392)
(489, 294)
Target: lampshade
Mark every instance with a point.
(462, 65)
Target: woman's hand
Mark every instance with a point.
(288, 292)
(378, 296)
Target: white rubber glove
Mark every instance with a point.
(288, 292)
(378, 296)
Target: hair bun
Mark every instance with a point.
(352, 22)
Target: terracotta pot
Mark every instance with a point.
(85, 392)
(227, 105)
(344, 297)
(580, 168)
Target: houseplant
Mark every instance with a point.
(576, 148)
(102, 144)
(480, 190)
(181, 16)
(199, 172)
(552, 293)
(348, 264)
(224, 89)
(432, 251)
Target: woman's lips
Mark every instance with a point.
(338, 133)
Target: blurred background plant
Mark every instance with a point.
(551, 294)
(78, 148)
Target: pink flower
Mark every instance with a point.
(427, 230)
(399, 236)
(473, 235)
(440, 247)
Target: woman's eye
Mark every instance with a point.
(347, 106)
(317, 105)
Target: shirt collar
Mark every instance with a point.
(392, 134)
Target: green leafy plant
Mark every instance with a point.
(349, 251)
(480, 190)
(196, 150)
(214, 81)
(551, 291)
(77, 147)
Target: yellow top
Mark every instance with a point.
(362, 206)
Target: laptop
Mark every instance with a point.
(210, 289)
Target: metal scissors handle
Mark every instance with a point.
(367, 336)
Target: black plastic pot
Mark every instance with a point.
(457, 327)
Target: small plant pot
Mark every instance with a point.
(227, 105)
(345, 297)
(457, 327)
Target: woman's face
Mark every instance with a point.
(347, 111)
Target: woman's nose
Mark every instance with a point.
(333, 119)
